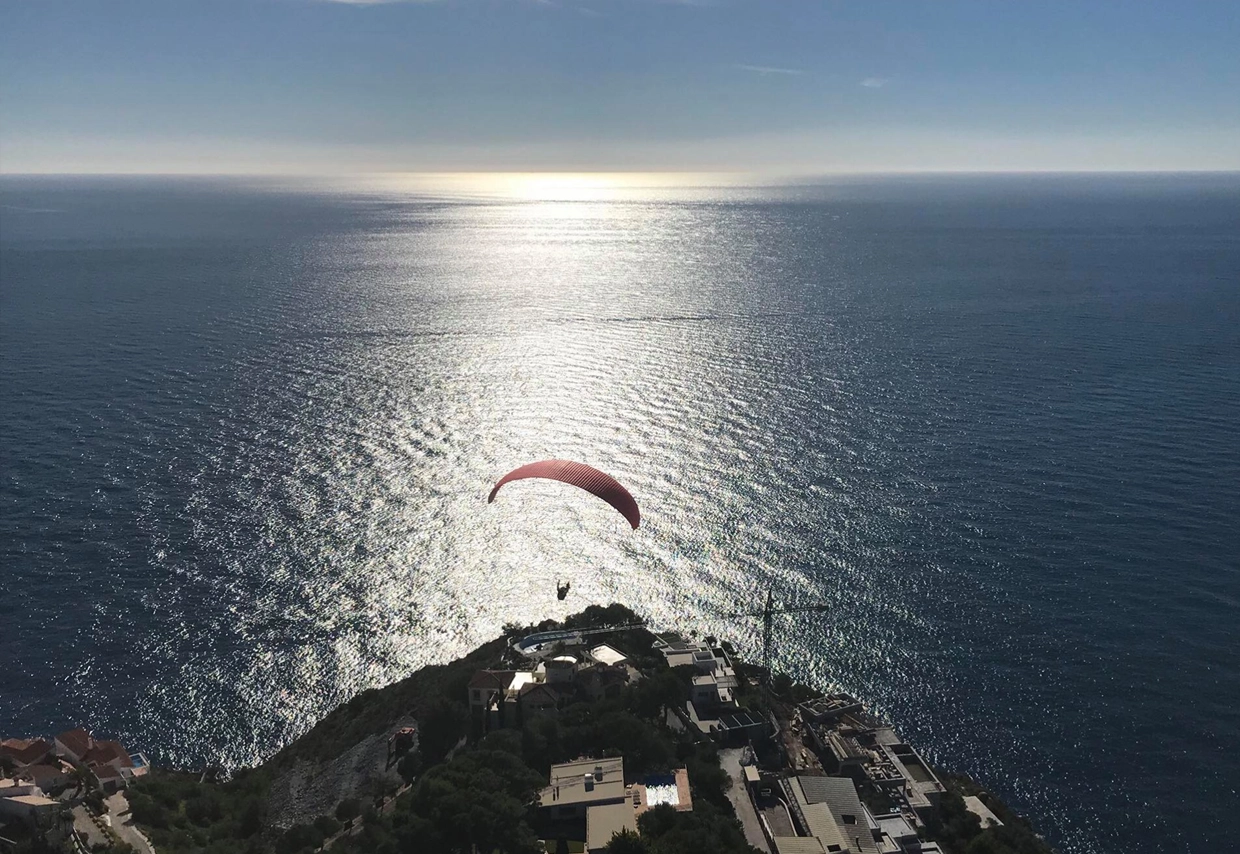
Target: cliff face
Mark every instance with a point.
(305, 789)
(346, 754)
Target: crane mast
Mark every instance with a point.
(768, 623)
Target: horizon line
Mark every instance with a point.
(735, 172)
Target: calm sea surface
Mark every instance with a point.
(247, 430)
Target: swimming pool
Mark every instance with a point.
(661, 789)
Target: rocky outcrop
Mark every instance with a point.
(305, 789)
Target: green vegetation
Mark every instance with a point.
(960, 831)
(178, 813)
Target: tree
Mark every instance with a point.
(708, 781)
(298, 838)
(203, 809)
(440, 727)
(651, 697)
(626, 842)
(410, 765)
(348, 809)
(481, 798)
(706, 828)
(80, 778)
(252, 817)
(327, 825)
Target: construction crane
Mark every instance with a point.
(768, 623)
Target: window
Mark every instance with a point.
(849, 819)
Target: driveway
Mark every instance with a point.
(89, 832)
(122, 823)
(730, 761)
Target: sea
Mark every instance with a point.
(248, 427)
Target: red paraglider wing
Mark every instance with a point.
(580, 475)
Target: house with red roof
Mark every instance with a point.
(25, 751)
(74, 744)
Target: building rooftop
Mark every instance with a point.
(832, 705)
(975, 805)
(798, 845)
(42, 773)
(613, 768)
(106, 772)
(896, 826)
(839, 795)
(569, 784)
(605, 654)
(107, 752)
(740, 719)
(78, 741)
(6, 785)
(494, 680)
(34, 801)
(24, 750)
(604, 822)
(522, 678)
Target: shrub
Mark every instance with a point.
(327, 825)
(298, 838)
(348, 809)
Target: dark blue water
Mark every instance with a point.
(247, 430)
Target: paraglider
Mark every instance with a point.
(585, 477)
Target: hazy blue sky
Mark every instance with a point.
(322, 85)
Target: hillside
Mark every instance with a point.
(472, 782)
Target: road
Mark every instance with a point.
(730, 761)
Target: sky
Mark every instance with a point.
(780, 86)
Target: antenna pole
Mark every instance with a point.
(768, 626)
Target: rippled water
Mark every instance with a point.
(247, 431)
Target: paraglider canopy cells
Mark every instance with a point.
(585, 477)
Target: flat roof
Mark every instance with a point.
(568, 786)
(798, 845)
(896, 827)
(608, 654)
(678, 659)
(977, 806)
(520, 679)
(739, 719)
(34, 801)
(571, 792)
(613, 766)
(604, 822)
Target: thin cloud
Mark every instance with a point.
(767, 69)
(375, 2)
(874, 82)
